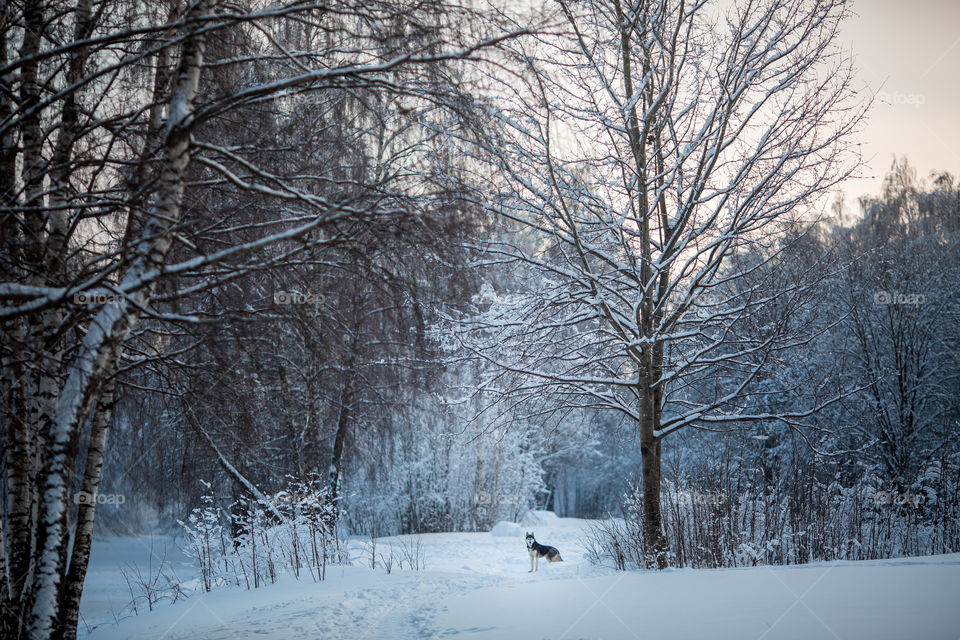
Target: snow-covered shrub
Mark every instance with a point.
(729, 517)
(293, 532)
(206, 539)
(157, 583)
(609, 541)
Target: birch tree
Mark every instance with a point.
(643, 152)
(105, 109)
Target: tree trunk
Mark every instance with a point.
(100, 347)
(16, 448)
(18, 453)
(343, 424)
(80, 556)
(649, 315)
(241, 481)
(652, 520)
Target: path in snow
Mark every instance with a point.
(476, 587)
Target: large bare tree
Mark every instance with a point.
(650, 155)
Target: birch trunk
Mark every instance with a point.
(83, 537)
(104, 338)
(18, 452)
(23, 415)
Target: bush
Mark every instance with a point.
(294, 532)
(729, 519)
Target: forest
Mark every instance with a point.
(374, 268)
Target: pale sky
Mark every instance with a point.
(909, 51)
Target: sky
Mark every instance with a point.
(909, 52)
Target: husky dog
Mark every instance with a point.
(537, 551)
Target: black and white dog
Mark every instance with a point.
(537, 551)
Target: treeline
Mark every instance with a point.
(876, 473)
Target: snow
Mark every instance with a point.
(105, 593)
(507, 530)
(534, 518)
(477, 585)
(838, 600)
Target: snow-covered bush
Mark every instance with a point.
(207, 540)
(292, 532)
(728, 517)
(156, 583)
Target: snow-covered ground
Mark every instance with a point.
(106, 596)
(477, 586)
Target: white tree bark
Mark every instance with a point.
(105, 336)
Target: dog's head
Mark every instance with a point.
(530, 540)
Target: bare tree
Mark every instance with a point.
(105, 111)
(902, 322)
(649, 157)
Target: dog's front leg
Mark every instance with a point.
(536, 557)
(532, 556)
